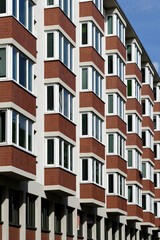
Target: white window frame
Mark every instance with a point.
(117, 180)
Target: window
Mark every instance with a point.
(98, 228)
(129, 88)
(155, 93)
(90, 222)
(147, 139)
(155, 180)
(147, 77)
(129, 158)
(144, 202)
(110, 103)
(50, 98)
(84, 124)
(69, 215)
(84, 78)
(22, 129)
(14, 204)
(134, 124)
(65, 154)
(130, 194)
(44, 214)
(58, 218)
(98, 4)
(144, 138)
(155, 150)
(129, 123)
(50, 2)
(155, 209)
(110, 183)
(120, 30)
(23, 76)
(67, 7)
(110, 143)
(2, 61)
(80, 224)
(143, 75)
(65, 103)
(110, 24)
(30, 211)
(50, 45)
(84, 33)
(144, 170)
(129, 53)
(2, 6)
(50, 151)
(2, 126)
(110, 64)
(23, 11)
(94, 174)
(147, 108)
(120, 146)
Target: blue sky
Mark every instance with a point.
(144, 16)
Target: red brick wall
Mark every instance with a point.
(11, 156)
(57, 237)
(157, 193)
(0, 231)
(88, 54)
(58, 176)
(148, 185)
(89, 9)
(134, 210)
(91, 145)
(132, 69)
(157, 164)
(157, 222)
(90, 190)
(133, 104)
(30, 234)
(14, 233)
(157, 136)
(147, 122)
(134, 139)
(55, 16)
(69, 238)
(117, 202)
(116, 162)
(56, 69)
(148, 217)
(56, 122)
(116, 122)
(114, 42)
(156, 107)
(147, 153)
(11, 28)
(146, 90)
(133, 175)
(44, 236)
(114, 82)
(11, 92)
(89, 99)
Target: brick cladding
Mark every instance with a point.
(30, 234)
(14, 233)
(92, 191)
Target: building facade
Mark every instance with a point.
(79, 124)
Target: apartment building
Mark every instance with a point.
(79, 124)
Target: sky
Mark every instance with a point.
(144, 16)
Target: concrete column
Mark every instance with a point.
(123, 232)
(137, 234)
(117, 231)
(64, 225)
(94, 229)
(128, 234)
(38, 218)
(102, 228)
(51, 221)
(85, 226)
(22, 215)
(109, 230)
(75, 223)
(5, 214)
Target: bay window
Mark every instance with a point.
(115, 66)
(14, 207)
(156, 91)
(147, 108)
(133, 54)
(91, 80)
(116, 145)
(44, 214)
(147, 203)
(98, 4)
(133, 89)
(116, 184)
(134, 195)
(116, 105)
(30, 211)
(133, 159)
(156, 121)
(2, 62)
(147, 171)
(61, 148)
(23, 11)
(22, 71)
(134, 124)
(157, 151)
(110, 24)
(157, 179)
(91, 126)
(67, 7)
(92, 171)
(147, 139)
(91, 36)
(129, 52)
(22, 131)
(2, 6)
(147, 76)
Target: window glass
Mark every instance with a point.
(155, 180)
(30, 211)
(2, 6)
(65, 7)
(50, 151)
(60, 99)
(97, 128)
(60, 152)
(22, 131)
(130, 194)
(155, 209)
(84, 169)
(110, 64)
(84, 78)
(110, 25)
(29, 135)
(97, 172)
(98, 228)
(143, 75)
(14, 64)
(110, 183)
(110, 103)
(2, 126)
(144, 138)
(66, 103)
(144, 170)
(84, 124)
(66, 162)
(30, 16)
(129, 55)
(50, 2)
(155, 93)
(29, 76)
(69, 216)
(22, 12)
(50, 98)
(129, 158)
(84, 33)
(44, 214)
(144, 202)
(14, 205)
(2, 62)
(14, 127)
(110, 143)
(155, 122)
(143, 107)
(129, 123)
(129, 88)
(50, 45)
(80, 227)
(58, 218)
(71, 107)
(155, 150)
(22, 70)
(65, 54)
